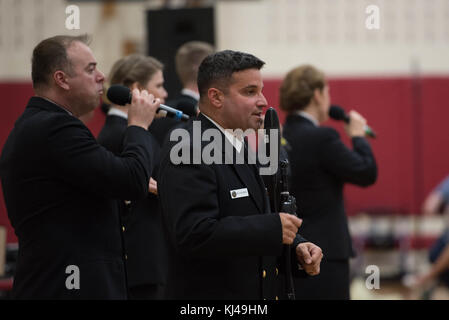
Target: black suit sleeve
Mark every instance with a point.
(296, 272)
(356, 166)
(196, 225)
(298, 239)
(82, 162)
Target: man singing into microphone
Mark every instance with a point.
(60, 185)
(224, 242)
(320, 165)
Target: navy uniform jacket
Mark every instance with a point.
(184, 102)
(144, 236)
(59, 186)
(320, 165)
(112, 134)
(220, 247)
(160, 128)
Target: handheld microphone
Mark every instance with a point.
(338, 113)
(122, 95)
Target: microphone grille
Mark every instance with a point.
(337, 112)
(119, 94)
(271, 119)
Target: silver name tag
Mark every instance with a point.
(239, 193)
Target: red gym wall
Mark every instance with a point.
(409, 115)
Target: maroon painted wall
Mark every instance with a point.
(409, 115)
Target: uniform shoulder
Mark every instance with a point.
(39, 122)
(328, 132)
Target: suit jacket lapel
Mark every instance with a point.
(264, 191)
(261, 184)
(250, 178)
(244, 171)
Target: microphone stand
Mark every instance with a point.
(287, 205)
(278, 192)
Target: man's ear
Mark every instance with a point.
(318, 95)
(61, 80)
(216, 97)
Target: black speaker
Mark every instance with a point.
(168, 29)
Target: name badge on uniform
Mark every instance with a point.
(239, 193)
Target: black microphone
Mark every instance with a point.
(271, 122)
(338, 113)
(122, 95)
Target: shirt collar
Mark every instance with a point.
(191, 93)
(309, 117)
(116, 112)
(69, 112)
(233, 139)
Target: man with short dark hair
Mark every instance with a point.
(224, 241)
(60, 185)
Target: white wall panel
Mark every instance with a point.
(328, 33)
(332, 34)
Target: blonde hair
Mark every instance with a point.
(189, 57)
(134, 68)
(298, 87)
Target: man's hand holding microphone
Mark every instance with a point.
(141, 113)
(142, 109)
(356, 126)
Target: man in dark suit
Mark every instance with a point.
(59, 184)
(224, 241)
(320, 165)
